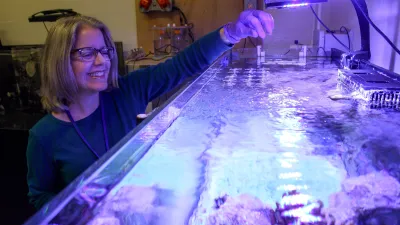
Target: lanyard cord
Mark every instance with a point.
(83, 137)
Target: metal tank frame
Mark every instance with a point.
(73, 205)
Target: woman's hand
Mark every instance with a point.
(251, 23)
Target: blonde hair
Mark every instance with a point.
(59, 87)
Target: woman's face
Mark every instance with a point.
(91, 70)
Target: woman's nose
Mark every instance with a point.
(99, 59)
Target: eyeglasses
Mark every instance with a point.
(89, 54)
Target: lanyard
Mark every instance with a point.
(81, 135)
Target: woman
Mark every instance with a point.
(91, 108)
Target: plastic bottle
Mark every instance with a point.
(160, 41)
(177, 43)
(168, 34)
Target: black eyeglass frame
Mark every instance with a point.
(110, 53)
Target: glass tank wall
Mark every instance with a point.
(271, 141)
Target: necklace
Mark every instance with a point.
(83, 137)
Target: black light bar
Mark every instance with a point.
(51, 15)
(290, 3)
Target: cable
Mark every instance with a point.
(252, 42)
(45, 27)
(180, 11)
(377, 29)
(183, 20)
(326, 55)
(348, 36)
(328, 29)
(244, 46)
(287, 52)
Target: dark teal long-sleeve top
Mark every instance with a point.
(56, 154)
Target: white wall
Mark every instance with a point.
(15, 29)
(386, 16)
(299, 24)
(338, 13)
(290, 24)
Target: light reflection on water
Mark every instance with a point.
(262, 132)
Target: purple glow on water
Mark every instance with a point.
(252, 136)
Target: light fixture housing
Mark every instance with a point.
(278, 4)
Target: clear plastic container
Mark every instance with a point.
(161, 41)
(170, 39)
(179, 39)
